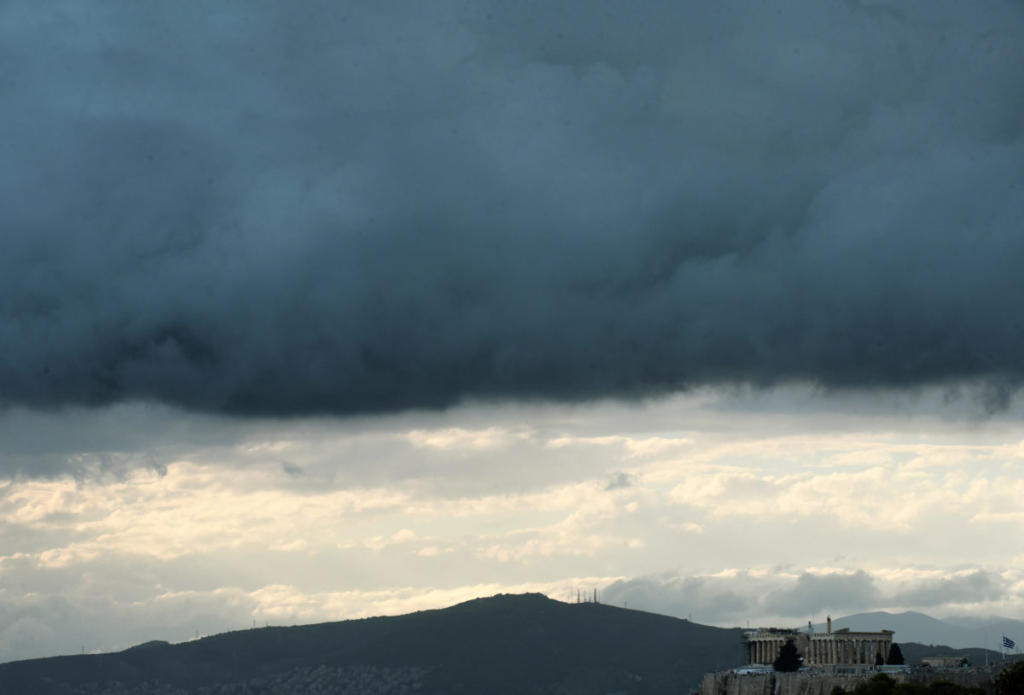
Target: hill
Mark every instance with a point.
(503, 644)
(918, 627)
(913, 652)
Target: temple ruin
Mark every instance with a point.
(835, 650)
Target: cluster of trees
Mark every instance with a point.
(1010, 681)
(882, 684)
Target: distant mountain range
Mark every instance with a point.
(918, 627)
(523, 644)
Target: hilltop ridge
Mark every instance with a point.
(522, 644)
(912, 626)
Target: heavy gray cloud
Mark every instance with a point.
(264, 207)
(964, 588)
(785, 598)
(697, 598)
(817, 593)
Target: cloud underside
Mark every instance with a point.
(252, 208)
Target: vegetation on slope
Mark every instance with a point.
(504, 644)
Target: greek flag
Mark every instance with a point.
(1008, 643)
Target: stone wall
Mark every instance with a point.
(821, 683)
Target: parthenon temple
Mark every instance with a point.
(841, 649)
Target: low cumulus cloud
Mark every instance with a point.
(973, 587)
(261, 207)
(700, 598)
(731, 598)
(812, 594)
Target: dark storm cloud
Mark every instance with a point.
(271, 207)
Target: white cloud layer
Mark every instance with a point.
(714, 506)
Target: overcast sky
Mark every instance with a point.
(321, 310)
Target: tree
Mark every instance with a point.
(1010, 681)
(788, 659)
(895, 655)
(879, 661)
(880, 684)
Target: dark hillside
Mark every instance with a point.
(504, 644)
(914, 652)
